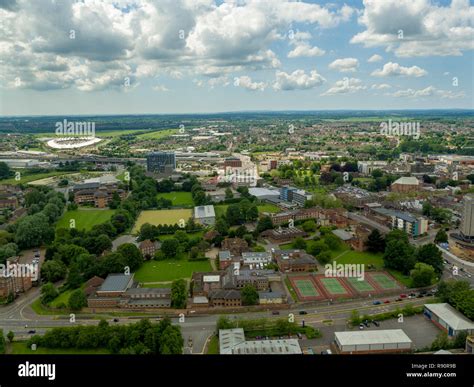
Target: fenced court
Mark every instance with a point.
(305, 288)
(334, 287)
(360, 286)
(383, 281)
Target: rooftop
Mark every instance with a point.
(116, 282)
(204, 212)
(387, 336)
(451, 316)
(407, 180)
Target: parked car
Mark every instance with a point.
(326, 352)
(303, 312)
(376, 302)
(300, 336)
(403, 296)
(421, 295)
(116, 320)
(361, 326)
(398, 299)
(366, 323)
(31, 332)
(376, 323)
(275, 312)
(386, 302)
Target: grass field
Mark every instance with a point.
(156, 217)
(28, 178)
(220, 209)
(267, 207)
(169, 270)
(20, 348)
(63, 298)
(333, 286)
(384, 281)
(213, 346)
(306, 288)
(345, 255)
(360, 286)
(178, 199)
(156, 135)
(85, 218)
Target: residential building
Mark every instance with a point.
(270, 298)
(445, 317)
(467, 219)
(148, 248)
(232, 162)
(225, 298)
(236, 246)
(256, 259)
(294, 261)
(281, 235)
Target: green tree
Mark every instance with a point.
(431, 255)
(169, 247)
(53, 270)
(441, 236)
(48, 293)
(309, 226)
(249, 295)
(234, 215)
(422, 275)
(399, 255)
(228, 193)
(178, 294)
(299, 243)
(5, 171)
(264, 223)
(375, 242)
(132, 254)
(77, 300)
(221, 226)
(10, 336)
(74, 277)
(2, 342)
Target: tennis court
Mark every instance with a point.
(383, 281)
(333, 286)
(306, 288)
(360, 286)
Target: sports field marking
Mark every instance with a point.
(360, 286)
(306, 288)
(384, 281)
(333, 286)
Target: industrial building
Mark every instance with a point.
(205, 215)
(447, 318)
(377, 341)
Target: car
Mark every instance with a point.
(116, 320)
(420, 295)
(403, 296)
(376, 302)
(376, 323)
(386, 302)
(326, 352)
(446, 262)
(366, 323)
(469, 275)
(398, 299)
(361, 326)
(303, 312)
(300, 336)
(31, 332)
(275, 312)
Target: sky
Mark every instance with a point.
(198, 56)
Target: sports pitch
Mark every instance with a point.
(306, 288)
(333, 286)
(156, 217)
(383, 281)
(360, 286)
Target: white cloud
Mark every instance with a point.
(374, 58)
(345, 86)
(247, 83)
(417, 27)
(304, 49)
(391, 69)
(345, 65)
(429, 91)
(298, 79)
(160, 88)
(380, 86)
(147, 38)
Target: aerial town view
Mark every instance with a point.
(215, 178)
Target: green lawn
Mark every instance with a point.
(85, 218)
(178, 199)
(220, 210)
(29, 177)
(156, 217)
(63, 298)
(20, 348)
(156, 135)
(213, 346)
(267, 207)
(169, 270)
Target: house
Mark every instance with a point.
(281, 235)
(256, 259)
(148, 248)
(294, 261)
(205, 215)
(361, 235)
(225, 298)
(225, 259)
(268, 298)
(445, 317)
(236, 246)
(97, 193)
(92, 285)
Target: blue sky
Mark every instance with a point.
(145, 56)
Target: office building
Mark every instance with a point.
(467, 220)
(161, 162)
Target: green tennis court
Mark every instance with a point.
(360, 286)
(333, 286)
(384, 281)
(306, 288)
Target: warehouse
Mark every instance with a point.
(379, 341)
(448, 319)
